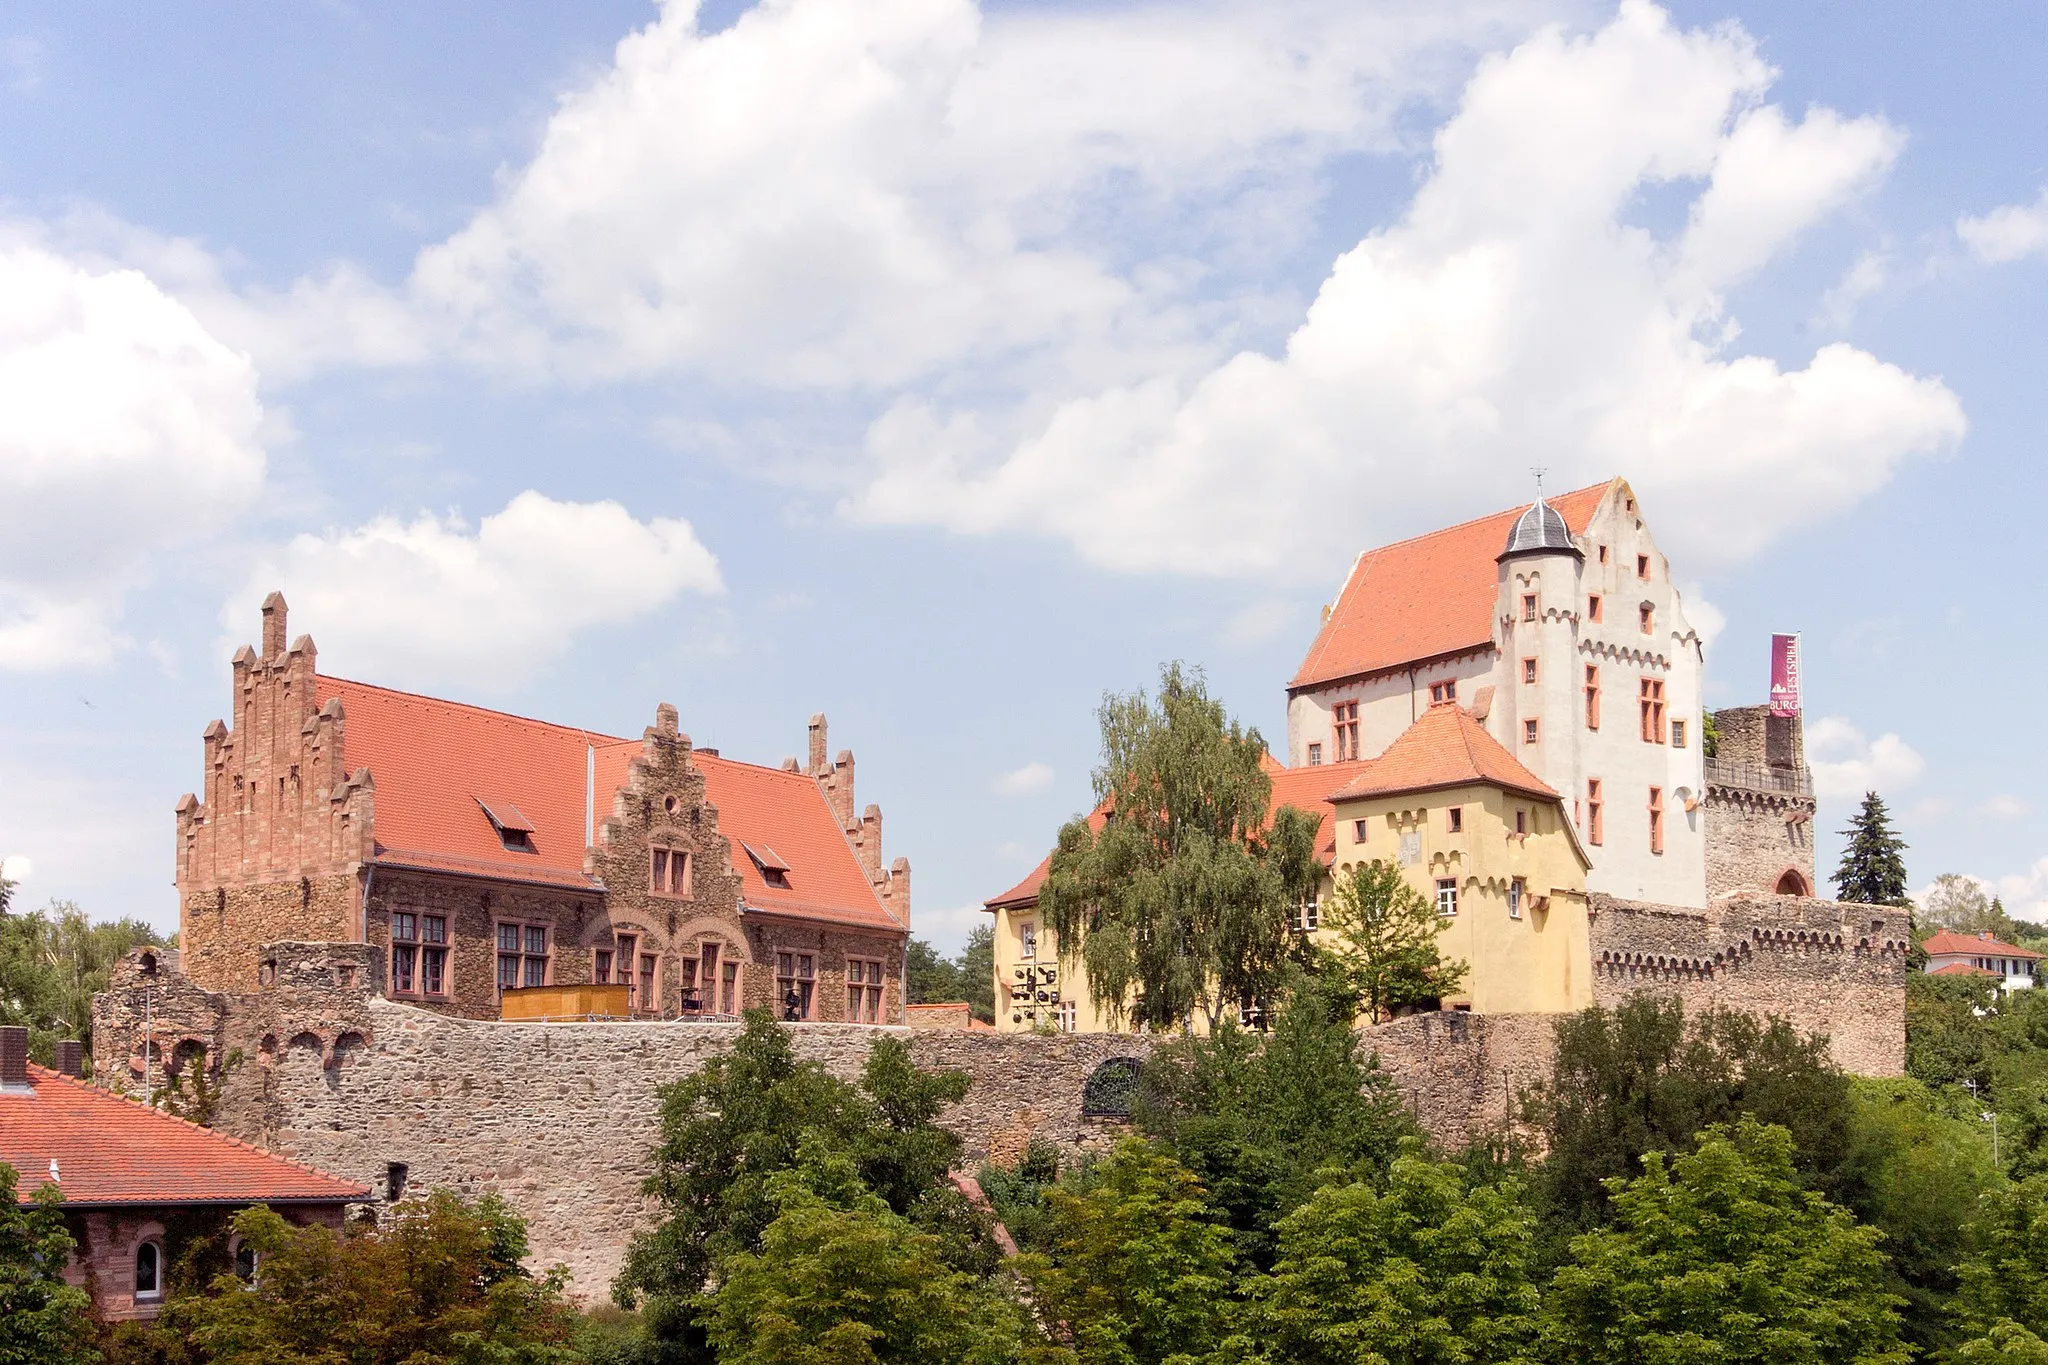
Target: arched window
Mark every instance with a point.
(149, 1271)
(1792, 883)
(243, 1254)
(1111, 1087)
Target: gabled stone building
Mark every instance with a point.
(474, 851)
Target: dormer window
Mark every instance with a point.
(774, 872)
(515, 831)
(1443, 691)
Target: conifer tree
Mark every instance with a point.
(1873, 870)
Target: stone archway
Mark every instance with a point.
(1792, 882)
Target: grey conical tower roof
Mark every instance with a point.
(1539, 530)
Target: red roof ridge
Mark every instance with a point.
(1954, 942)
(1488, 516)
(598, 736)
(42, 1074)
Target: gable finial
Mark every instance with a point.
(1539, 471)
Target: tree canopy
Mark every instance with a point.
(52, 963)
(1873, 866)
(43, 1320)
(1382, 941)
(1183, 902)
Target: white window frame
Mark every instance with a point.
(1447, 897)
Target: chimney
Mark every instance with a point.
(817, 744)
(273, 625)
(71, 1058)
(13, 1059)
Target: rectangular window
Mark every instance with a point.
(686, 985)
(405, 954)
(1528, 732)
(1642, 566)
(1444, 691)
(670, 872)
(1515, 893)
(864, 990)
(1593, 608)
(1678, 734)
(434, 954)
(1592, 810)
(1647, 616)
(522, 955)
(1650, 700)
(1603, 554)
(1592, 696)
(419, 954)
(1528, 670)
(1529, 606)
(1309, 917)
(1521, 822)
(1346, 715)
(1069, 1017)
(1358, 830)
(657, 878)
(1315, 755)
(601, 968)
(795, 983)
(1446, 896)
(650, 979)
(704, 974)
(729, 988)
(1656, 819)
(628, 945)
(508, 956)
(1454, 819)
(1027, 941)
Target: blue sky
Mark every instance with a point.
(940, 368)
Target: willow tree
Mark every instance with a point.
(1184, 900)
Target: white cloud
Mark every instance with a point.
(1708, 620)
(1846, 764)
(125, 429)
(2005, 807)
(845, 195)
(432, 600)
(1870, 273)
(1032, 777)
(17, 867)
(2009, 233)
(947, 929)
(1513, 316)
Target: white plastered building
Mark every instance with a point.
(1558, 627)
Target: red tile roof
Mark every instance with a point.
(1950, 944)
(1960, 969)
(1445, 748)
(436, 764)
(111, 1150)
(1423, 598)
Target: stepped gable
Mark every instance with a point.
(1424, 598)
(437, 765)
(112, 1151)
(1446, 747)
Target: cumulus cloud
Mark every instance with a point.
(1032, 777)
(17, 867)
(835, 195)
(1516, 314)
(2005, 806)
(1846, 764)
(2007, 234)
(435, 600)
(126, 429)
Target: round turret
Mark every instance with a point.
(1540, 530)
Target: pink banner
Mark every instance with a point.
(1784, 675)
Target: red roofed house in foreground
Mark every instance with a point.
(129, 1174)
(477, 852)
(1953, 954)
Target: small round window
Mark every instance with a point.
(672, 804)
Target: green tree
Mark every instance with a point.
(2003, 1301)
(1261, 1121)
(1722, 1259)
(933, 978)
(52, 963)
(439, 1281)
(1183, 902)
(1383, 941)
(1138, 1274)
(977, 970)
(43, 1320)
(728, 1132)
(1644, 1078)
(1429, 1272)
(841, 1279)
(1873, 867)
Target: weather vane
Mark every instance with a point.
(1539, 471)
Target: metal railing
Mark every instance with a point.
(1759, 777)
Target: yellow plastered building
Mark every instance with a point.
(1473, 830)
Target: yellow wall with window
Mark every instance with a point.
(1519, 921)
(1034, 989)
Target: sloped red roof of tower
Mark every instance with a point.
(436, 764)
(1423, 598)
(110, 1150)
(1445, 747)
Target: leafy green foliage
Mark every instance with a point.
(1018, 1196)
(933, 977)
(1873, 866)
(1382, 941)
(2006, 1281)
(1642, 1078)
(43, 1320)
(52, 963)
(1429, 1270)
(1137, 1272)
(936, 979)
(729, 1132)
(1262, 1121)
(1182, 903)
(440, 1281)
(1722, 1259)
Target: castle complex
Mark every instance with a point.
(375, 887)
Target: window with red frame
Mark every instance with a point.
(1346, 715)
(1528, 732)
(1593, 809)
(864, 990)
(522, 955)
(1528, 670)
(627, 945)
(1593, 608)
(1529, 606)
(670, 874)
(1592, 696)
(1446, 690)
(1454, 819)
(419, 954)
(1656, 819)
(1651, 702)
(1646, 615)
(1642, 566)
(795, 984)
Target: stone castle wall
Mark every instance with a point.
(1758, 805)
